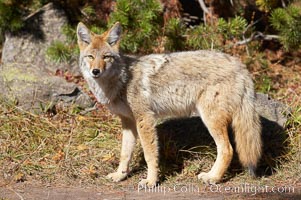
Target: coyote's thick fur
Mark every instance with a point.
(215, 85)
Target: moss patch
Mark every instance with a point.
(12, 73)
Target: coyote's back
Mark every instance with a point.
(214, 85)
(171, 83)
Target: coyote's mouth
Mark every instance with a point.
(95, 76)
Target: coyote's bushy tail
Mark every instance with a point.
(247, 131)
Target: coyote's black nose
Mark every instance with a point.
(95, 72)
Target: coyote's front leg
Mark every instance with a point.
(148, 136)
(129, 136)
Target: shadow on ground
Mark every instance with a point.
(182, 139)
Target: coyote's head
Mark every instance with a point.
(98, 52)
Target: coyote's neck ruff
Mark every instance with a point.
(214, 85)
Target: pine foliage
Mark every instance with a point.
(202, 37)
(174, 32)
(287, 21)
(141, 21)
(11, 13)
(233, 28)
(213, 36)
(59, 52)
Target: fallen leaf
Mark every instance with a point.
(20, 177)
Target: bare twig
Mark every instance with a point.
(20, 196)
(32, 14)
(204, 7)
(84, 13)
(89, 110)
(257, 36)
(245, 31)
(205, 10)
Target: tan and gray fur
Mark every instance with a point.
(139, 90)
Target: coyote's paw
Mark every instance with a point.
(148, 183)
(117, 176)
(208, 179)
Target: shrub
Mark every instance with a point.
(59, 52)
(142, 22)
(10, 16)
(174, 32)
(287, 21)
(213, 36)
(233, 28)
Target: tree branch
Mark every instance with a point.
(204, 7)
(257, 36)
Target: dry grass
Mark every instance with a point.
(71, 149)
(65, 148)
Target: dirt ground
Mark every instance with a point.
(24, 191)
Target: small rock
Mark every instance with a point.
(271, 109)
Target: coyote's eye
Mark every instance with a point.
(108, 58)
(90, 57)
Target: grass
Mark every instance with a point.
(68, 148)
(51, 147)
(289, 164)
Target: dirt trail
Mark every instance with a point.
(36, 192)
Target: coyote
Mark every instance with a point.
(215, 85)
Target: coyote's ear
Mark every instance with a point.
(83, 34)
(114, 34)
